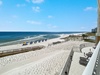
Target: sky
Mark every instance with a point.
(48, 15)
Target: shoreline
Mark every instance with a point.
(54, 54)
(45, 43)
(20, 41)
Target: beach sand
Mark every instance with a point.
(47, 61)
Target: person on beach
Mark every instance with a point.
(84, 54)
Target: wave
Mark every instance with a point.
(28, 39)
(31, 38)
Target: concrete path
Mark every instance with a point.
(76, 68)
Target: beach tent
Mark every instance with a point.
(24, 43)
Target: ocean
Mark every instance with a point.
(19, 37)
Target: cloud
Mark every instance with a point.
(34, 22)
(1, 3)
(36, 9)
(54, 26)
(50, 16)
(82, 27)
(51, 26)
(20, 5)
(27, 0)
(37, 1)
(90, 9)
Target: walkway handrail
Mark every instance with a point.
(90, 66)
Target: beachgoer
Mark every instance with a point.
(84, 53)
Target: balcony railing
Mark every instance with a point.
(93, 67)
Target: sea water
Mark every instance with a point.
(20, 37)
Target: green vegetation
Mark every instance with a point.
(88, 35)
(90, 40)
(84, 36)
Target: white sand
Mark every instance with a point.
(17, 46)
(10, 62)
(47, 61)
(50, 65)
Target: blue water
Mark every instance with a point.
(18, 37)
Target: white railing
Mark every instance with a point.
(90, 68)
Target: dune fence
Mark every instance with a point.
(21, 50)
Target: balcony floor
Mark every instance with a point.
(76, 68)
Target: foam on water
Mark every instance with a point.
(28, 39)
(25, 39)
(8, 38)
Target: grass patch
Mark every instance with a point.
(90, 40)
(90, 34)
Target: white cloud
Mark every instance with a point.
(36, 9)
(82, 27)
(1, 3)
(20, 5)
(37, 1)
(50, 16)
(90, 8)
(54, 26)
(34, 22)
(51, 26)
(27, 0)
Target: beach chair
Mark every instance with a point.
(35, 42)
(89, 54)
(83, 61)
(24, 43)
(31, 42)
(43, 40)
